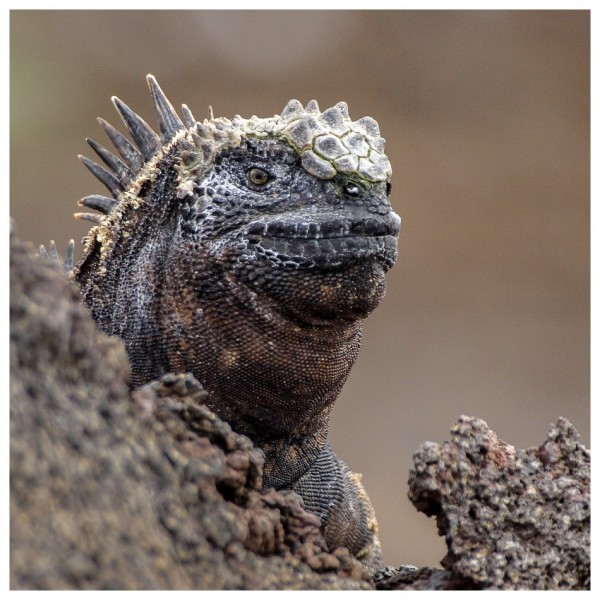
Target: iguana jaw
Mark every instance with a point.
(328, 245)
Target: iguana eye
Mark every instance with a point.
(352, 190)
(258, 176)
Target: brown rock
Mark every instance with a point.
(512, 519)
(151, 491)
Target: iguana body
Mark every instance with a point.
(247, 252)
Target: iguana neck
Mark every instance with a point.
(270, 377)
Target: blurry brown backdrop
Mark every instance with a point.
(486, 116)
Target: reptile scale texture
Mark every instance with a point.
(248, 252)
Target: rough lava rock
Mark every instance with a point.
(148, 491)
(512, 519)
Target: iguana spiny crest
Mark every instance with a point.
(247, 252)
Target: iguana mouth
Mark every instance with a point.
(328, 241)
(368, 225)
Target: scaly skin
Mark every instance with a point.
(248, 252)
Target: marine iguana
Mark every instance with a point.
(248, 252)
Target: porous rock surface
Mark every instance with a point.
(148, 491)
(512, 519)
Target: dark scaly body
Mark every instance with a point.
(236, 251)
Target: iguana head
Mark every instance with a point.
(294, 207)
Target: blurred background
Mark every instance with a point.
(486, 116)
